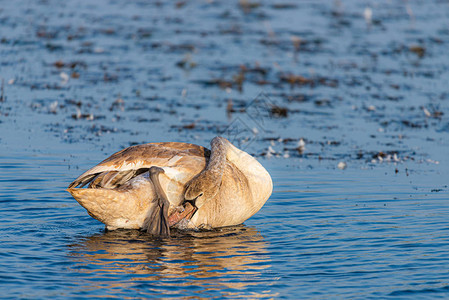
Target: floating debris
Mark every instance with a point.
(53, 108)
(391, 156)
(187, 63)
(296, 45)
(418, 50)
(72, 65)
(410, 12)
(238, 79)
(295, 79)
(223, 84)
(270, 152)
(323, 103)
(412, 124)
(284, 6)
(2, 91)
(189, 126)
(59, 64)
(119, 103)
(180, 4)
(278, 112)
(342, 165)
(229, 108)
(435, 114)
(110, 77)
(368, 15)
(247, 6)
(64, 77)
(73, 102)
(299, 80)
(255, 130)
(78, 115)
(431, 161)
(301, 146)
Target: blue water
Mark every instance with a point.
(359, 211)
(324, 233)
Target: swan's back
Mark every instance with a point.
(180, 161)
(183, 156)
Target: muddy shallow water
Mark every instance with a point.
(345, 103)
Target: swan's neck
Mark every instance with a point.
(217, 158)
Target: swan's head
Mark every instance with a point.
(203, 187)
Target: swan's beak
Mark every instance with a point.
(176, 217)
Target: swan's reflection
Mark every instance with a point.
(229, 260)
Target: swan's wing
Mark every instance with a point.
(135, 160)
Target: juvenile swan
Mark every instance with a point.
(156, 186)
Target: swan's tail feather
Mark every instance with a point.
(98, 202)
(114, 208)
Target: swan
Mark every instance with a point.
(156, 186)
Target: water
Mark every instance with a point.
(83, 80)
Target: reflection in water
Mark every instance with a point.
(228, 261)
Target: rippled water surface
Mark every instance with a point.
(345, 104)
